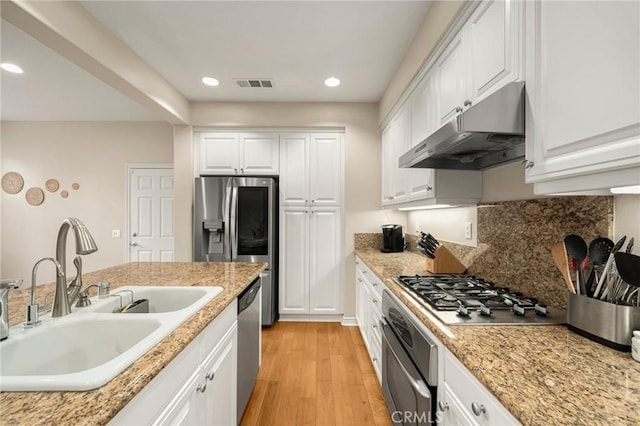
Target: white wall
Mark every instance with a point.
(91, 154)
(362, 162)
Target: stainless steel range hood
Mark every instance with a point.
(486, 135)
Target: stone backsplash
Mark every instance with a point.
(514, 240)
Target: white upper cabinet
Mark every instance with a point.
(450, 75)
(388, 156)
(583, 88)
(483, 57)
(424, 120)
(311, 169)
(239, 153)
(219, 153)
(261, 154)
(493, 45)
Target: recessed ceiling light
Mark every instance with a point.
(11, 68)
(332, 82)
(210, 81)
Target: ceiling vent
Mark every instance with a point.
(253, 82)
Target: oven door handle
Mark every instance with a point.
(417, 384)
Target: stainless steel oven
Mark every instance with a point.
(409, 367)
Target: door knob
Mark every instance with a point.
(133, 244)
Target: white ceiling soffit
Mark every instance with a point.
(54, 89)
(296, 44)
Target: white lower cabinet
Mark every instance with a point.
(466, 401)
(369, 312)
(199, 387)
(310, 271)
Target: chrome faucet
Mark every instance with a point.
(5, 285)
(33, 310)
(84, 245)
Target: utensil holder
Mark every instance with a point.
(445, 262)
(603, 322)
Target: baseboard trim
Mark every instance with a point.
(310, 318)
(349, 321)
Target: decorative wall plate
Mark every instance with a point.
(12, 182)
(35, 196)
(52, 185)
(64, 194)
(75, 186)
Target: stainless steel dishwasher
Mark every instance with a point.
(249, 329)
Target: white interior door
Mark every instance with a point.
(151, 229)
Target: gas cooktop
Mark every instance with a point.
(467, 300)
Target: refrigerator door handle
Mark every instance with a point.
(226, 221)
(233, 226)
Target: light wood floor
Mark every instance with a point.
(315, 374)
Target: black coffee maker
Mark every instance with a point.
(392, 239)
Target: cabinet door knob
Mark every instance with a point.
(374, 300)
(527, 164)
(374, 325)
(242, 171)
(429, 189)
(202, 388)
(478, 409)
(443, 406)
(458, 109)
(133, 244)
(374, 359)
(467, 102)
(210, 376)
(374, 284)
(235, 170)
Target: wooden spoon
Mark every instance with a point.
(560, 258)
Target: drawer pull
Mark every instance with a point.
(375, 284)
(374, 359)
(202, 388)
(374, 300)
(375, 325)
(478, 409)
(443, 406)
(210, 376)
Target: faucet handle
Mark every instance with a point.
(10, 284)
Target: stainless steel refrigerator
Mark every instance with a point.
(235, 219)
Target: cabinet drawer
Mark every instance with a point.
(471, 393)
(375, 353)
(375, 325)
(376, 303)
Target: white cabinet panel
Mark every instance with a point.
(494, 46)
(260, 154)
(219, 374)
(294, 260)
(450, 75)
(324, 262)
(388, 154)
(424, 118)
(239, 153)
(219, 153)
(583, 62)
(325, 167)
(185, 408)
(294, 170)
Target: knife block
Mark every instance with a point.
(445, 262)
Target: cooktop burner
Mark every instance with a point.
(467, 300)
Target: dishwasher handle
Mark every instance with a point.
(247, 297)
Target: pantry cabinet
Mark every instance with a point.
(238, 153)
(311, 169)
(310, 271)
(197, 387)
(583, 90)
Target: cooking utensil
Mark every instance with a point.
(607, 266)
(577, 249)
(599, 250)
(559, 254)
(426, 249)
(628, 266)
(629, 246)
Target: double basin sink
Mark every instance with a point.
(92, 345)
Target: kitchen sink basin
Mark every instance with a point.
(162, 299)
(91, 346)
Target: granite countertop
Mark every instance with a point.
(98, 406)
(542, 374)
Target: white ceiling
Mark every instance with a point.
(297, 44)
